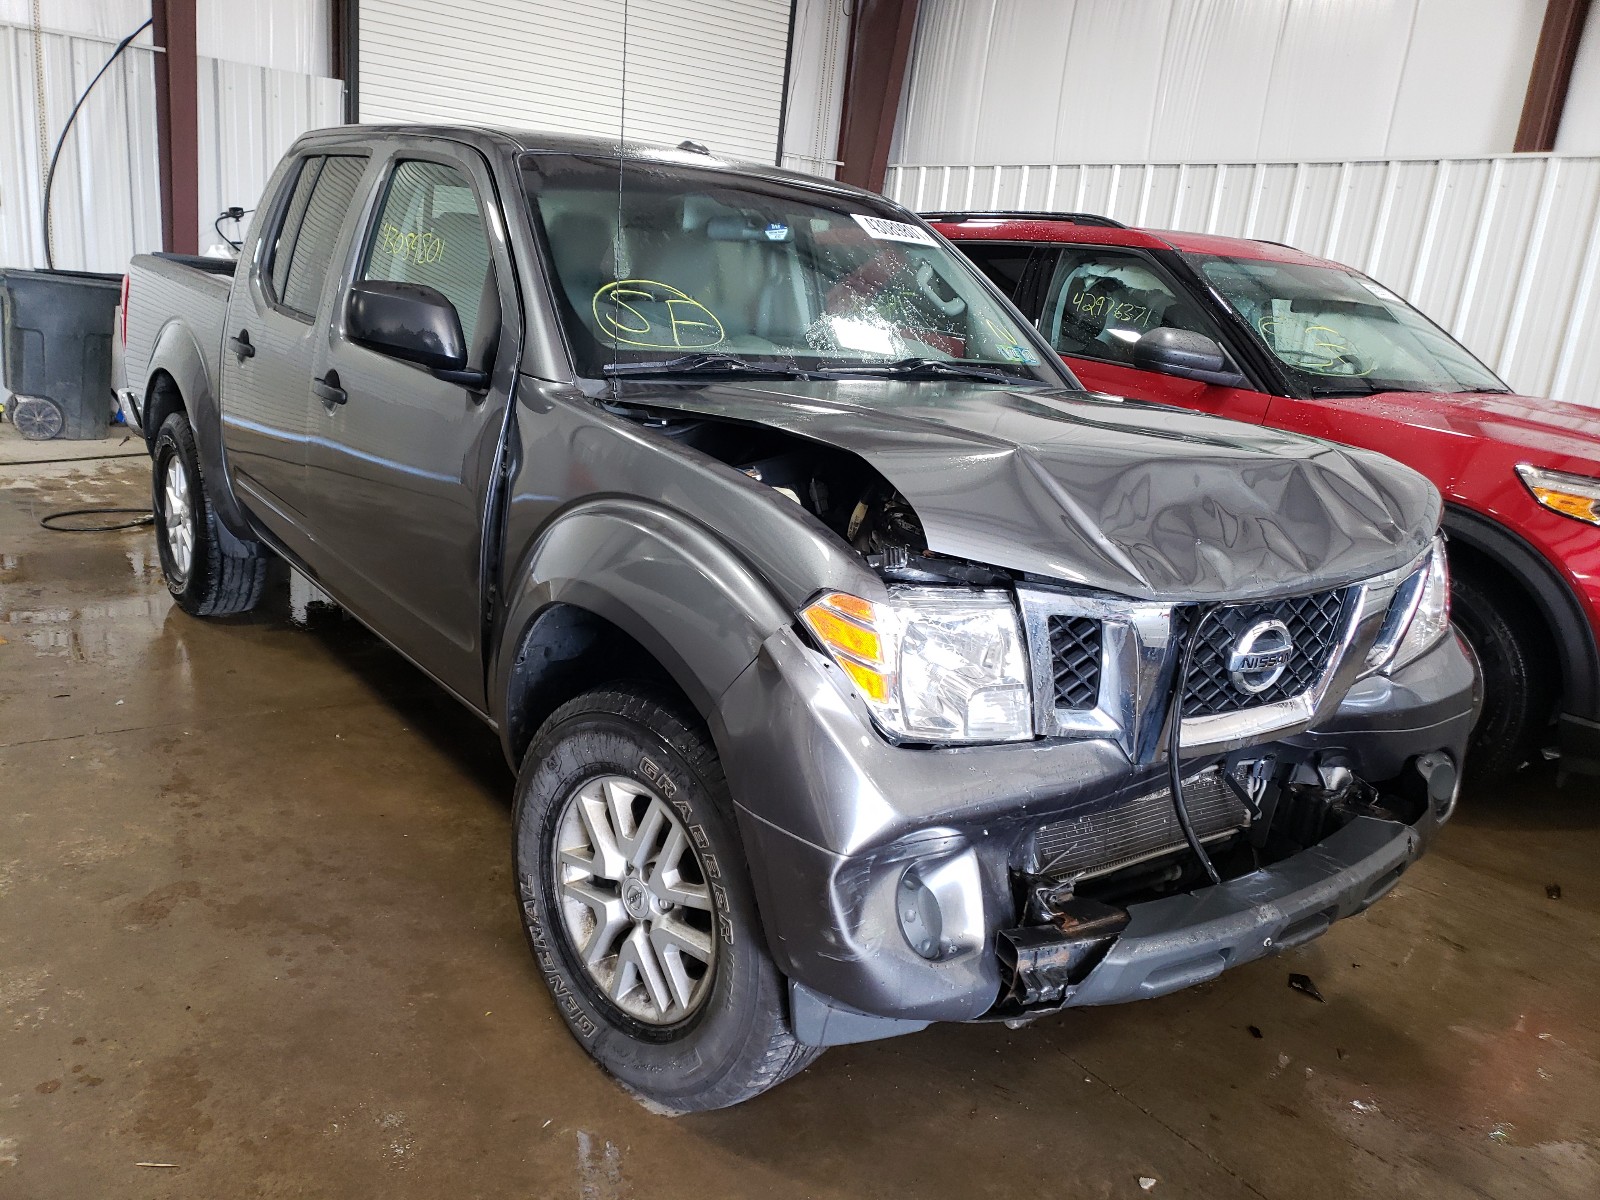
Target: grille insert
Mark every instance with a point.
(1143, 828)
(1075, 645)
(1315, 623)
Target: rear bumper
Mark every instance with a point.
(131, 404)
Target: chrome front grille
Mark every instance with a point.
(1103, 666)
(1075, 652)
(1136, 830)
(1316, 623)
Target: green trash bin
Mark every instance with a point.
(57, 328)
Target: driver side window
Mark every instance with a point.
(1100, 302)
(431, 231)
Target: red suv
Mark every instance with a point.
(1263, 333)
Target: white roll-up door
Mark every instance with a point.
(710, 70)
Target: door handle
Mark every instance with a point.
(328, 390)
(241, 345)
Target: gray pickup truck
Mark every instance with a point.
(860, 670)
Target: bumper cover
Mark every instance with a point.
(832, 816)
(1178, 941)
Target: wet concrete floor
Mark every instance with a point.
(256, 928)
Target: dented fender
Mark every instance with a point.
(666, 581)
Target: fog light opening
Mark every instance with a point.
(1442, 780)
(921, 919)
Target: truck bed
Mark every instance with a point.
(168, 289)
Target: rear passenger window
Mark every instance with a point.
(283, 247)
(430, 231)
(314, 245)
(1101, 302)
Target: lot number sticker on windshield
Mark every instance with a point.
(893, 231)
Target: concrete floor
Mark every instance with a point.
(256, 924)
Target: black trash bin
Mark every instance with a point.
(58, 327)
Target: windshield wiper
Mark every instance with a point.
(1364, 388)
(947, 368)
(709, 363)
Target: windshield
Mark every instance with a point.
(697, 270)
(1339, 333)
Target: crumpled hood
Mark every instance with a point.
(1138, 499)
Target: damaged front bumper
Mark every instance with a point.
(888, 878)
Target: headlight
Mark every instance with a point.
(934, 664)
(1571, 495)
(1419, 615)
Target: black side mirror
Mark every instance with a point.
(1186, 355)
(414, 323)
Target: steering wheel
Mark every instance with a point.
(1318, 362)
(951, 307)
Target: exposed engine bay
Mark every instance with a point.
(838, 488)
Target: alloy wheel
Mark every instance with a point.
(635, 904)
(177, 516)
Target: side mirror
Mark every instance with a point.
(414, 323)
(1186, 355)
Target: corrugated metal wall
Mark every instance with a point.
(711, 70)
(816, 86)
(1217, 80)
(1503, 251)
(249, 115)
(107, 204)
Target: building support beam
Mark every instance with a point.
(1552, 73)
(177, 124)
(875, 76)
(346, 44)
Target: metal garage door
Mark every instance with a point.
(711, 70)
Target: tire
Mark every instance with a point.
(724, 1037)
(1519, 688)
(206, 578)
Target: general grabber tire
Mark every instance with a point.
(1518, 676)
(206, 578)
(621, 802)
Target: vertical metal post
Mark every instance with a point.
(345, 17)
(783, 97)
(1551, 74)
(177, 124)
(875, 76)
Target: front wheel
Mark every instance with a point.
(637, 908)
(206, 578)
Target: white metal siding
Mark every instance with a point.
(711, 70)
(1504, 251)
(107, 199)
(1199, 80)
(106, 202)
(816, 86)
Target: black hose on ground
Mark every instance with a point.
(146, 517)
(50, 175)
(1180, 685)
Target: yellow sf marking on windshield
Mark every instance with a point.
(686, 325)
